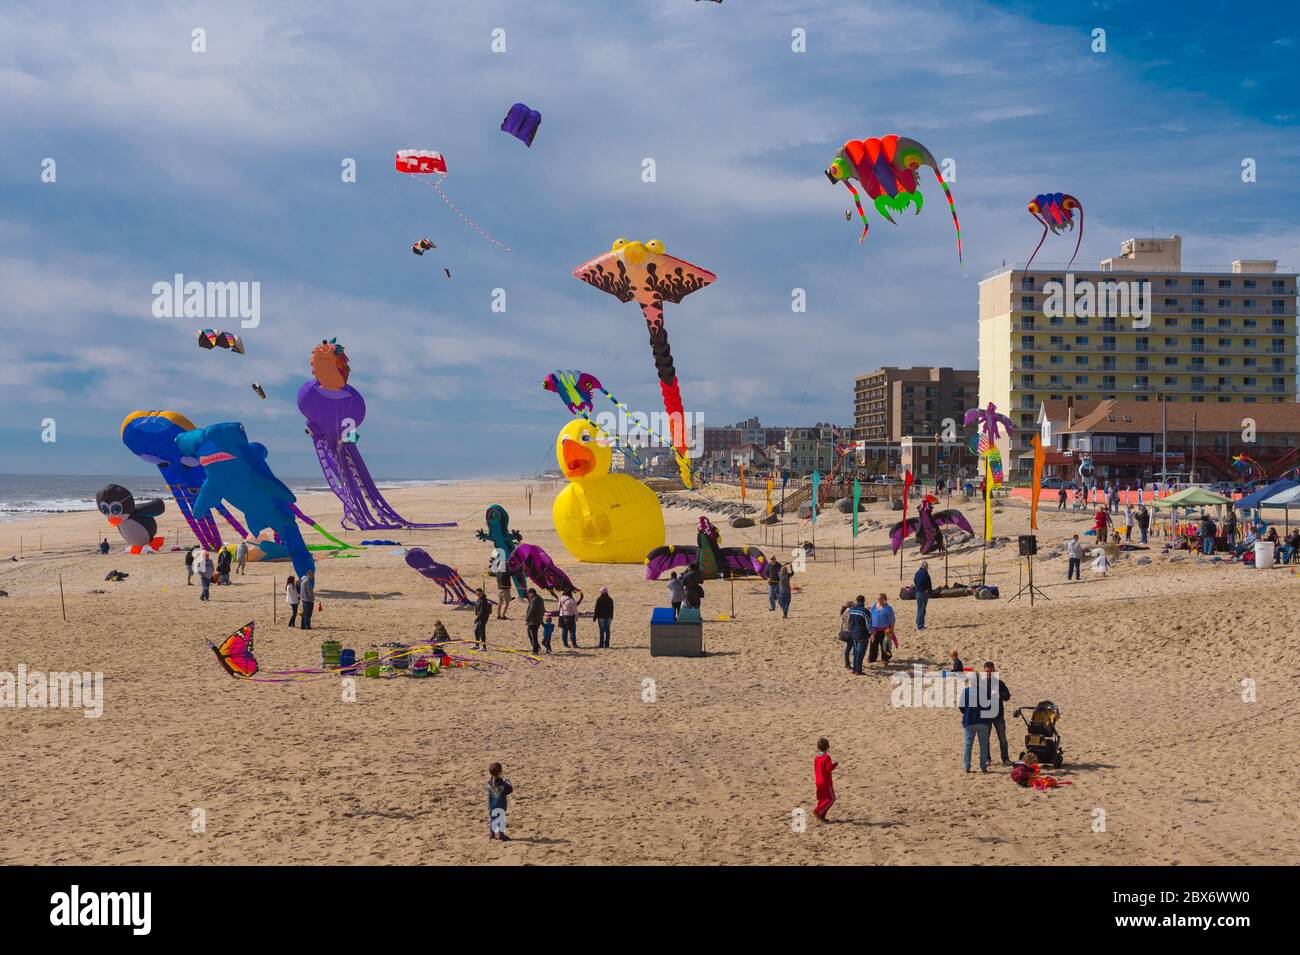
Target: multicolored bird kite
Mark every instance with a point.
(887, 170)
(1055, 210)
(644, 273)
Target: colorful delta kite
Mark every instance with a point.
(927, 527)
(423, 165)
(334, 411)
(1055, 211)
(135, 522)
(578, 389)
(887, 170)
(423, 246)
(210, 338)
(602, 518)
(521, 123)
(643, 272)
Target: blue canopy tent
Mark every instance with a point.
(1253, 500)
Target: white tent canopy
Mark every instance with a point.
(1287, 498)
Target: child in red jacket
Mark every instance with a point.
(822, 769)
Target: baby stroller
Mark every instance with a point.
(1042, 739)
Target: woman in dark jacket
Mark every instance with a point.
(604, 616)
(534, 615)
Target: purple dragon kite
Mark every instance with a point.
(927, 527)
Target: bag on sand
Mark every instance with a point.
(907, 593)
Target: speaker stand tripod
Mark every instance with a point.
(1028, 586)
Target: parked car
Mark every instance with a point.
(1054, 483)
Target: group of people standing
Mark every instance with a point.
(301, 593)
(535, 625)
(213, 572)
(686, 590)
(867, 632)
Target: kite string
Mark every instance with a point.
(464, 218)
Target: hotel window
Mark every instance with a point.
(1171, 322)
(1056, 360)
(1058, 320)
(1279, 384)
(1141, 381)
(1278, 347)
(1198, 398)
(1198, 383)
(1027, 342)
(1081, 320)
(1198, 324)
(1248, 323)
(1250, 362)
(1171, 303)
(1223, 304)
(1225, 323)
(1248, 343)
(1171, 283)
(1198, 344)
(1081, 359)
(1248, 283)
(1056, 397)
(1198, 285)
(1225, 362)
(1081, 339)
(1171, 342)
(1027, 381)
(1224, 382)
(1080, 379)
(1225, 342)
(1026, 303)
(1108, 343)
(1248, 304)
(1140, 364)
(1278, 285)
(1108, 363)
(1027, 283)
(1108, 381)
(1058, 341)
(1249, 399)
(1224, 399)
(1171, 360)
(1225, 283)
(1198, 305)
(1278, 308)
(1140, 343)
(1171, 380)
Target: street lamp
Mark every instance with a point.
(1164, 431)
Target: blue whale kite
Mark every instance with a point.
(236, 471)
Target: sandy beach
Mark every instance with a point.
(1168, 764)
(1147, 667)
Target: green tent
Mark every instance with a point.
(1192, 497)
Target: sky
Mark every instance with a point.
(225, 165)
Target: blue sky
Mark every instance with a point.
(225, 165)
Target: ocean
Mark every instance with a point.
(28, 494)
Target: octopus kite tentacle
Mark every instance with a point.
(952, 207)
(1077, 241)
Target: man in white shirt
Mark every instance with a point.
(1074, 553)
(205, 568)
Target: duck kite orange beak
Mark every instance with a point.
(114, 521)
(578, 460)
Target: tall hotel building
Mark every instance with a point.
(1218, 335)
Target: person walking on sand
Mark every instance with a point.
(189, 567)
(568, 619)
(534, 614)
(692, 587)
(504, 583)
(603, 614)
(975, 723)
(307, 593)
(498, 790)
(786, 589)
(205, 569)
(923, 586)
(1144, 521)
(1128, 523)
(773, 574)
(998, 719)
(1061, 495)
(482, 614)
(859, 633)
(223, 565)
(823, 767)
(291, 598)
(1074, 558)
(882, 628)
(677, 593)
(241, 557)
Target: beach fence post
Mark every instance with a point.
(274, 608)
(63, 607)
